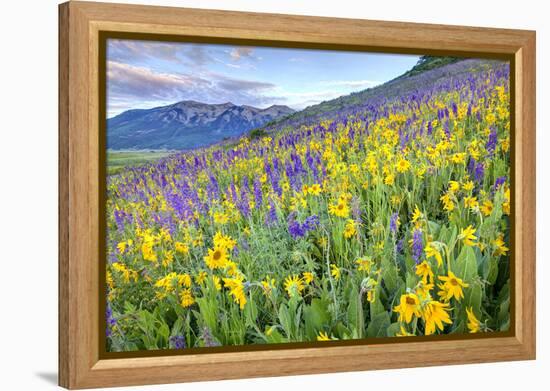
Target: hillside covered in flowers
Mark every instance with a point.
(387, 217)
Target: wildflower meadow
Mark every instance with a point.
(390, 219)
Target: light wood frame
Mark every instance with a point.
(80, 365)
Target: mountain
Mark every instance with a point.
(186, 125)
(429, 70)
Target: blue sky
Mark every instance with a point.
(145, 74)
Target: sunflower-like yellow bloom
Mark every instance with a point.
(335, 271)
(403, 165)
(417, 214)
(350, 230)
(500, 246)
(340, 209)
(432, 250)
(435, 314)
(236, 289)
(186, 298)
(224, 241)
(323, 336)
(364, 264)
(308, 277)
(216, 258)
(409, 305)
(486, 208)
(424, 270)
(181, 248)
(294, 285)
(451, 287)
(467, 236)
(474, 325)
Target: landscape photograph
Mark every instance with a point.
(259, 195)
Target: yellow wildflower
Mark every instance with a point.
(473, 324)
(350, 230)
(339, 209)
(424, 270)
(186, 298)
(181, 248)
(236, 289)
(335, 271)
(323, 336)
(294, 285)
(308, 277)
(435, 314)
(452, 287)
(500, 246)
(432, 250)
(486, 208)
(409, 305)
(467, 235)
(403, 165)
(216, 258)
(364, 264)
(416, 214)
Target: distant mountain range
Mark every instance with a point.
(186, 125)
(190, 124)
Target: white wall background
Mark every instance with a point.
(28, 193)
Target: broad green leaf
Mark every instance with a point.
(378, 325)
(316, 317)
(465, 265)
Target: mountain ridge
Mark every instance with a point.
(186, 124)
(428, 70)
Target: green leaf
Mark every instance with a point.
(465, 265)
(393, 329)
(316, 317)
(284, 319)
(378, 325)
(251, 313)
(503, 316)
(389, 274)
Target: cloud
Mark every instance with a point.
(198, 55)
(131, 86)
(231, 84)
(137, 81)
(131, 50)
(241, 52)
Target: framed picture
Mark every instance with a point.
(247, 195)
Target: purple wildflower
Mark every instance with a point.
(399, 246)
(417, 245)
(356, 208)
(272, 214)
(298, 230)
(311, 222)
(110, 320)
(177, 342)
(393, 222)
(479, 173)
(257, 193)
(209, 340)
(492, 142)
(499, 182)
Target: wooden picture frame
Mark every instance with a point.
(81, 364)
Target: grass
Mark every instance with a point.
(117, 160)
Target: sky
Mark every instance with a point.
(147, 74)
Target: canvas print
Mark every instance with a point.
(261, 195)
